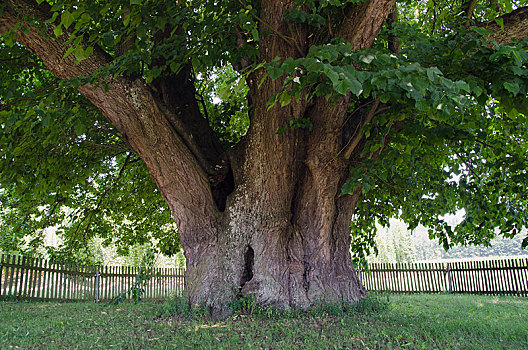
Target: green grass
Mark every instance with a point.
(407, 322)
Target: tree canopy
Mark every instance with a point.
(437, 119)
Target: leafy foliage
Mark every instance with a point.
(64, 165)
(471, 155)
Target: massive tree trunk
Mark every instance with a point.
(265, 217)
(285, 234)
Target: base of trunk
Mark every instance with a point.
(273, 264)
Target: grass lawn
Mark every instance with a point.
(409, 322)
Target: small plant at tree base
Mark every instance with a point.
(373, 303)
(244, 305)
(145, 274)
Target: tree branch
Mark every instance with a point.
(354, 141)
(394, 41)
(515, 26)
(469, 7)
(363, 22)
(131, 106)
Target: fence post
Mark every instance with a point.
(97, 275)
(448, 271)
(1, 270)
(359, 275)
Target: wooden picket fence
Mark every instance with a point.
(494, 277)
(25, 278)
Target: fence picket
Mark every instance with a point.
(487, 278)
(469, 276)
(438, 278)
(4, 265)
(397, 277)
(524, 276)
(9, 276)
(58, 277)
(27, 277)
(500, 281)
(32, 276)
(515, 277)
(4, 275)
(1, 273)
(456, 276)
(507, 277)
(464, 272)
(67, 280)
(120, 288)
(10, 290)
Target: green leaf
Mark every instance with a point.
(285, 99)
(79, 54)
(254, 33)
(69, 51)
(88, 51)
(462, 85)
(331, 74)
(340, 87)
(355, 86)
(175, 67)
(126, 20)
(57, 30)
(512, 87)
(274, 71)
(79, 129)
(477, 90)
(135, 2)
(385, 98)
(67, 19)
(240, 86)
(500, 23)
(367, 59)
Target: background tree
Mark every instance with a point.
(347, 115)
(393, 244)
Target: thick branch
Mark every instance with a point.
(135, 111)
(394, 41)
(363, 22)
(515, 26)
(181, 108)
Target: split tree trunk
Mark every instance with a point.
(264, 218)
(284, 236)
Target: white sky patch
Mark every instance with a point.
(454, 219)
(216, 100)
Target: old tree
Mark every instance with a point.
(267, 127)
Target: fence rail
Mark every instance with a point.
(26, 278)
(495, 277)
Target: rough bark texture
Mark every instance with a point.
(515, 26)
(264, 218)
